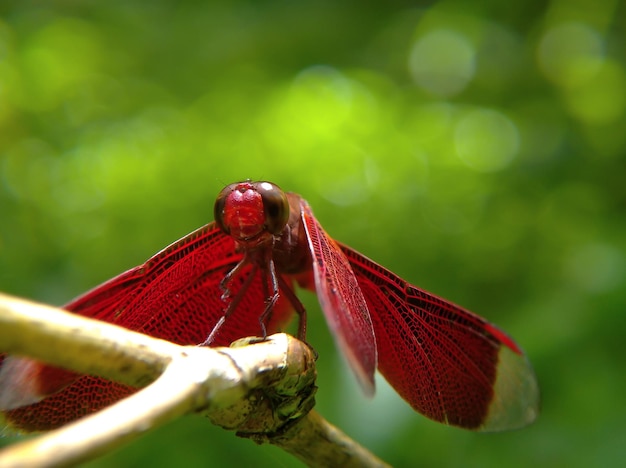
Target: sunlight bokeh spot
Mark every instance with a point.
(321, 98)
(570, 54)
(486, 140)
(442, 62)
(601, 99)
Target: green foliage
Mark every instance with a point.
(477, 150)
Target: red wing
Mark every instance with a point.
(175, 295)
(342, 302)
(446, 362)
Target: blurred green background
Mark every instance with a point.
(475, 148)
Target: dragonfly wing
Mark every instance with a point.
(446, 362)
(175, 296)
(342, 301)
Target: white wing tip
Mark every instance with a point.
(18, 383)
(516, 394)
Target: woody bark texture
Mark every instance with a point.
(264, 390)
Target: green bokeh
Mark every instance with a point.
(476, 149)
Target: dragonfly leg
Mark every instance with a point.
(300, 310)
(297, 305)
(274, 285)
(235, 300)
(232, 274)
(270, 279)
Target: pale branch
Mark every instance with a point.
(74, 342)
(264, 391)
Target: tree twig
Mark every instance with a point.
(264, 391)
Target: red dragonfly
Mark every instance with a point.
(235, 276)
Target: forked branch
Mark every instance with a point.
(264, 390)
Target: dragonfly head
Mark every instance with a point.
(252, 212)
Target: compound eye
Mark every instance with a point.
(275, 206)
(219, 208)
